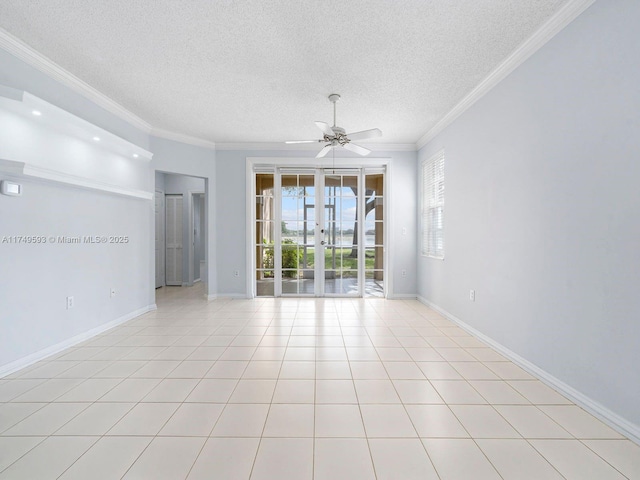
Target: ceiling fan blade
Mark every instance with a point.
(324, 151)
(326, 129)
(302, 141)
(357, 149)
(373, 133)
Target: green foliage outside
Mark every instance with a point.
(344, 261)
(292, 258)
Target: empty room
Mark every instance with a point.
(282, 240)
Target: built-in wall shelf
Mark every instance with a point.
(42, 141)
(68, 124)
(23, 169)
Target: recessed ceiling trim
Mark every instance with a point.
(57, 119)
(376, 147)
(180, 137)
(27, 54)
(25, 169)
(540, 37)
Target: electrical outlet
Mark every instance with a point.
(236, 273)
(404, 273)
(404, 230)
(69, 302)
(472, 295)
(112, 292)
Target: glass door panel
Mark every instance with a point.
(265, 235)
(340, 237)
(374, 234)
(297, 201)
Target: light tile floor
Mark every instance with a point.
(295, 389)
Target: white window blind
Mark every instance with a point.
(433, 206)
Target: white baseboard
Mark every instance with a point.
(23, 362)
(210, 297)
(615, 421)
(232, 295)
(402, 296)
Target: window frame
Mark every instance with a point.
(432, 206)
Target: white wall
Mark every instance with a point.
(543, 211)
(36, 279)
(160, 181)
(231, 221)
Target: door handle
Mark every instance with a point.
(322, 242)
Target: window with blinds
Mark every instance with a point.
(433, 206)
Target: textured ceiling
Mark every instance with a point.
(261, 71)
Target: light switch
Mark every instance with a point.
(10, 188)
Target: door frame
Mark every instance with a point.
(163, 251)
(191, 253)
(269, 164)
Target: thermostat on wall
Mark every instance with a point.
(10, 188)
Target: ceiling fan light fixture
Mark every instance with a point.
(338, 137)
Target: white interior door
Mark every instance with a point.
(173, 237)
(159, 210)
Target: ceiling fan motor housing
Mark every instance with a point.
(339, 137)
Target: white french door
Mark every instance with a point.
(318, 233)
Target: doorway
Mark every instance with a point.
(180, 229)
(319, 232)
(198, 263)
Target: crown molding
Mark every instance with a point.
(540, 37)
(390, 147)
(375, 147)
(27, 54)
(182, 138)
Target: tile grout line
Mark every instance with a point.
(407, 412)
(266, 418)
(364, 428)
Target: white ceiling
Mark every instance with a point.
(261, 71)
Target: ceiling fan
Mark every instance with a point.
(336, 136)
